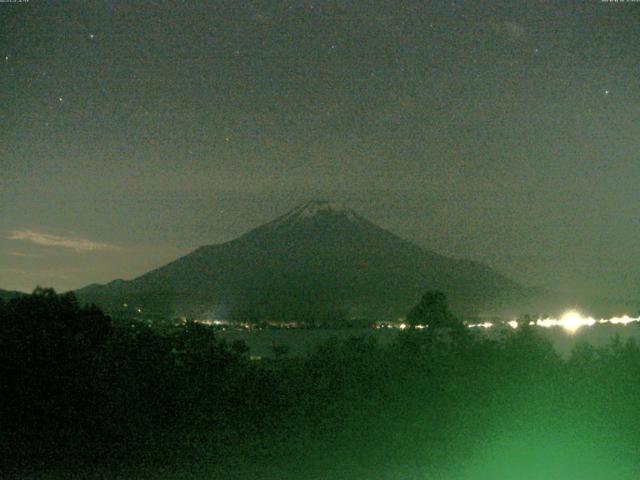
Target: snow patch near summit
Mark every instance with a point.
(311, 209)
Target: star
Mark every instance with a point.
(92, 36)
(60, 99)
(6, 58)
(606, 92)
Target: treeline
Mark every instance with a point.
(86, 397)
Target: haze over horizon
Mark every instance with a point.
(502, 132)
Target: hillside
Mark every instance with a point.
(320, 259)
(7, 295)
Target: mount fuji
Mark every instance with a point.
(320, 261)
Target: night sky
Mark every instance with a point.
(505, 132)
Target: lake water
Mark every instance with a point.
(300, 341)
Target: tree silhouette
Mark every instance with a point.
(280, 350)
(433, 311)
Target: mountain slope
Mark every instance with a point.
(319, 259)
(7, 295)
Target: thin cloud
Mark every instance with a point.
(77, 244)
(22, 254)
(39, 273)
(512, 31)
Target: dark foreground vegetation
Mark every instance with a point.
(85, 397)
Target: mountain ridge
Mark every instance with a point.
(320, 258)
(7, 295)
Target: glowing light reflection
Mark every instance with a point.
(571, 321)
(481, 325)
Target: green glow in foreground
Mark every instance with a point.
(545, 453)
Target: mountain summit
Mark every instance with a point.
(317, 262)
(318, 219)
(315, 208)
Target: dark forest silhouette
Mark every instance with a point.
(84, 393)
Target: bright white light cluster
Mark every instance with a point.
(481, 325)
(571, 321)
